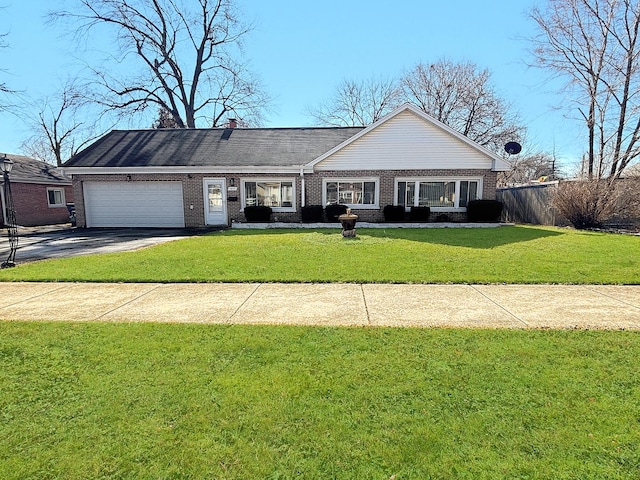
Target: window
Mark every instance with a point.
(468, 191)
(55, 197)
(277, 194)
(356, 193)
(439, 194)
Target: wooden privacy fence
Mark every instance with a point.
(529, 204)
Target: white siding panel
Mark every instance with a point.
(133, 204)
(406, 142)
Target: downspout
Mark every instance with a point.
(303, 199)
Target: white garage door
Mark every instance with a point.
(133, 204)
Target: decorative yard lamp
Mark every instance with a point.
(10, 214)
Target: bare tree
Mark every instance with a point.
(461, 96)
(358, 103)
(188, 55)
(594, 44)
(164, 120)
(525, 168)
(458, 94)
(4, 88)
(62, 125)
(3, 44)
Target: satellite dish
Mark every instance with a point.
(513, 148)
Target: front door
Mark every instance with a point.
(215, 201)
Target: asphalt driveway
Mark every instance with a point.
(41, 243)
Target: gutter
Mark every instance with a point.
(294, 170)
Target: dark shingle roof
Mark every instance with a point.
(30, 170)
(212, 147)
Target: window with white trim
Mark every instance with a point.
(55, 197)
(438, 194)
(277, 194)
(360, 193)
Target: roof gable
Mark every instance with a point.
(408, 139)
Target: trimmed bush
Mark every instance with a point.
(312, 213)
(420, 214)
(393, 213)
(257, 214)
(332, 212)
(484, 211)
(443, 218)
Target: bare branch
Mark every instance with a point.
(185, 50)
(5, 90)
(63, 125)
(594, 45)
(461, 96)
(358, 103)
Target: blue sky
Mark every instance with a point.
(302, 49)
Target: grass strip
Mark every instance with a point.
(491, 255)
(239, 402)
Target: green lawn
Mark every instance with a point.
(112, 401)
(492, 255)
(145, 401)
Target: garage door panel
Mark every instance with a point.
(134, 204)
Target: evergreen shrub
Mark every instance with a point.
(258, 214)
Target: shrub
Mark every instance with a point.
(332, 212)
(312, 213)
(484, 211)
(393, 213)
(590, 203)
(257, 213)
(420, 214)
(443, 217)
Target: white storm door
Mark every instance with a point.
(215, 201)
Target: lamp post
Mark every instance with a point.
(10, 214)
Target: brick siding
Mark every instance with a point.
(193, 196)
(31, 204)
(387, 181)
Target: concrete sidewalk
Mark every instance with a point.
(475, 306)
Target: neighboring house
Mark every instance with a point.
(200, 177)
(40, 192)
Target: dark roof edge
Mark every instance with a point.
(53, 181)
(225, 128)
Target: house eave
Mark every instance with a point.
(217, 170)
(40, 182)
(500, 165)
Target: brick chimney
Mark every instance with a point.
(233, 123)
